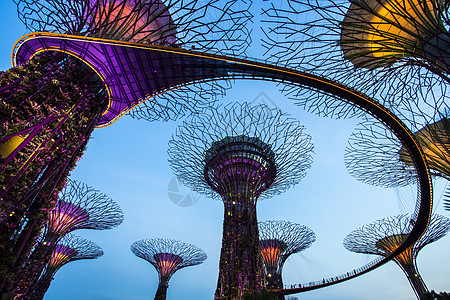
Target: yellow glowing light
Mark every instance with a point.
(386, 29)
(7, 147)
(391, 243)
(435, 142)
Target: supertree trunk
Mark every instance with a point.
(416, 281)
(42, 285)
(161, 292)
(52, 104)
(241, 266)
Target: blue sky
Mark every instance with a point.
(128, 161)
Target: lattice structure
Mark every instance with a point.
(69, 249)
(279, 240)
(211, 26)
(375, 156)
(207, 25)
(51, 102)
(395, 51)
(45, 125)
(78, 207)
(239, 154)
(167, 256)
(81, 207)
(384, 236)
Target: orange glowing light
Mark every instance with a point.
(386, 29)
(435, 142)
(391, 243)
(271, 256)
(137, 22)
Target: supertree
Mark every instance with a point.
(384, 236)
(279, 240)
(397, 51)
(78, 207)
(238, 155)
(69, 249)
(167, 256)
(55, 96)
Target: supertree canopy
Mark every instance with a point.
(384, 236)
(167, 256)
(375, 156)
(238, 155)
(81, 207)
(69, 249)
(206, 25)
(61, 92)
(397, 51)
(78, 207)
(435, 142)
(279, 240)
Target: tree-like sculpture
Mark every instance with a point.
(51, 101)
(69, 249)
(279, 240)
(78, 207)
(238, 155)
(81, 207)
(384, 236)
(167, 256)
(375, 156)
(395, 50)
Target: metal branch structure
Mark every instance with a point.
(206, 25)
(69, 249)
(118, 75)
(279, 240)
(375, 156)
(167, 256)
(66, 95)
(78, 207)
(240, 154)
(212, 26)
(396, 51)
(384, 236)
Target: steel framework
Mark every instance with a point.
(167, 256)
(219, 67)
(65, 96)
(69, 249)
(78, 207)
(240, 154)
(396, 51)
(375, 156)
(384, 236)
(196, 67)
(279, 240)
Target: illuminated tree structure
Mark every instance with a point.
(78, 207)
(375, 156)
(55, 96)
(238, 155)
(167, 256)
(396, 50)
(279, 240)
(384, 236)
(69, 249)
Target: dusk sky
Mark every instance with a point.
(128, 161)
